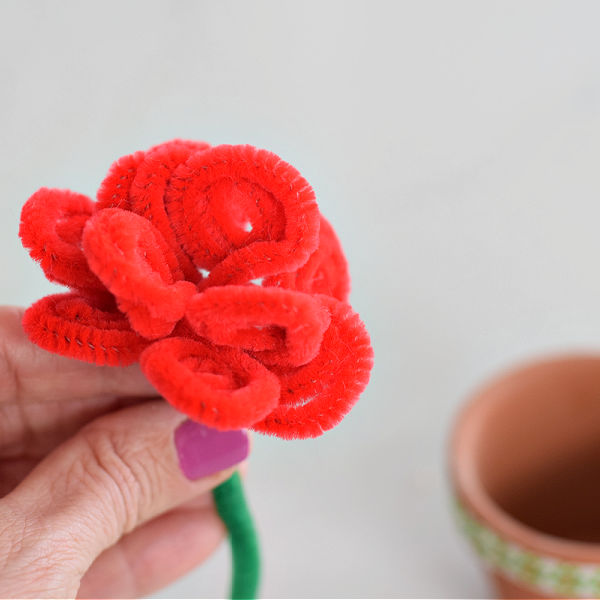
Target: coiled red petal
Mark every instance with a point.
(243, 213)
(316, 396)
(325, 272)
(279, 326)
(136, 264)
(221, 387)
(51, 227)
(69, 325)
(148, 189)
(115, 187)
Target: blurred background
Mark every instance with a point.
(454, 146)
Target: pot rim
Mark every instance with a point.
(469, 490)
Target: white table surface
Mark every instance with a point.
(454, 145)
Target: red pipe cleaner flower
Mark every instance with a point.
(213, 268)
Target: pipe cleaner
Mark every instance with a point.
(213, 267)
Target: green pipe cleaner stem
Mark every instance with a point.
(245, 553)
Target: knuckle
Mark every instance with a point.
(116, 472)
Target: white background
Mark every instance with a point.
(455, 147)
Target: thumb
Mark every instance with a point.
(116, 473)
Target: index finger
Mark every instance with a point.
(28, 373)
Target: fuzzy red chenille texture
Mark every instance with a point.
(213, 268)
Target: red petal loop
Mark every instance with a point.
(221, 387)
(326, 271)
(280, 326)
(114, 189)
(136, 264)
(243, 213)
(52, 222)
(316, 396)
(148, 190)
(68, 325)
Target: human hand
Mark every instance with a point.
(93, 498)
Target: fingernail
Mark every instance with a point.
(203, 451)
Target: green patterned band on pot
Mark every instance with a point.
(545, 574)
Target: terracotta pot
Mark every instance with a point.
(525, 468)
